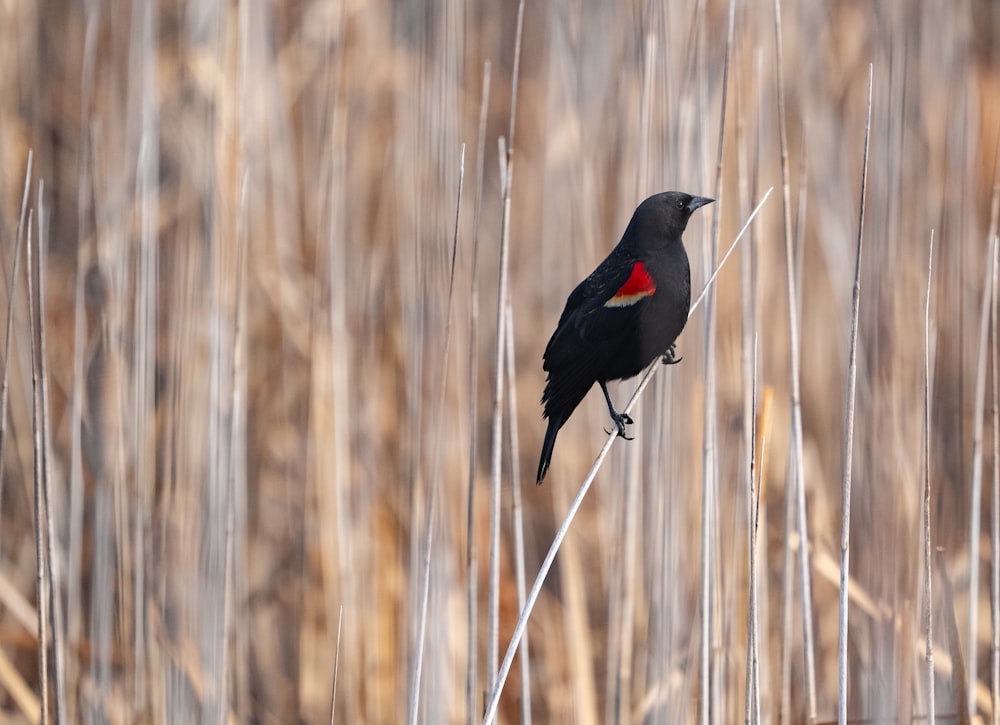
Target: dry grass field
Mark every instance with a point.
(265, 459)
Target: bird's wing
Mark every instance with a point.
(601, 310)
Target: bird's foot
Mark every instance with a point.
(670, 356)
(621, 420)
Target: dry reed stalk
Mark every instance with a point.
(236, 473)
(751, 683)
(43, 580)
(85, 185)
(928, 614)
(11, 293)
(958, 668)
(623, 625)
(796, 397)
(74, 566)
(516, 511)
(748, 178)
(762, 428)
(976, 493)
(710, 683)
(142, 308)
(995, 499)
(493, 607)
(471, 557)
(506, 150)
(336, 670)
(787, 596)
(52, 565)
(994, 512)
(434, 482)
(848, 457)
(764, 424)
(12, 681)
(577, 625)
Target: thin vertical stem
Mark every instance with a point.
(852, 376)
(762, 427)
(516, 513)
(709, 432)
(18, 245)
(995, 520)
(336, 668)
(750, 693)
(493, 609)
(507, 171)
(472, 564)
(787, 595)
(926, 512)
(995, 507)
(237, 440)
(995, 527)
(51, 550)
(41, 576)
(434, 483)
(976, 494)
(793, 335)
(748, 307)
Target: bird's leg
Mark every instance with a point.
(670, 356)
(620, 419)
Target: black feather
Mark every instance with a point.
(595, 341)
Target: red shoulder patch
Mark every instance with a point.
(638, 285)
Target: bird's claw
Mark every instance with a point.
(620, 421)
(670, 356)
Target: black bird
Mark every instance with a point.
(627, 313)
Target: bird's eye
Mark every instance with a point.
(680, 204)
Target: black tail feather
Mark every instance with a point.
(555, 423)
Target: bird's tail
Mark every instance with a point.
(555, 423)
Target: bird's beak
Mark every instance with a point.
(699, 201)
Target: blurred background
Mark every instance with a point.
(259, 469)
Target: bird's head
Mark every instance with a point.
(667, 213)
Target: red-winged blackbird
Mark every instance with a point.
(627, 313)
